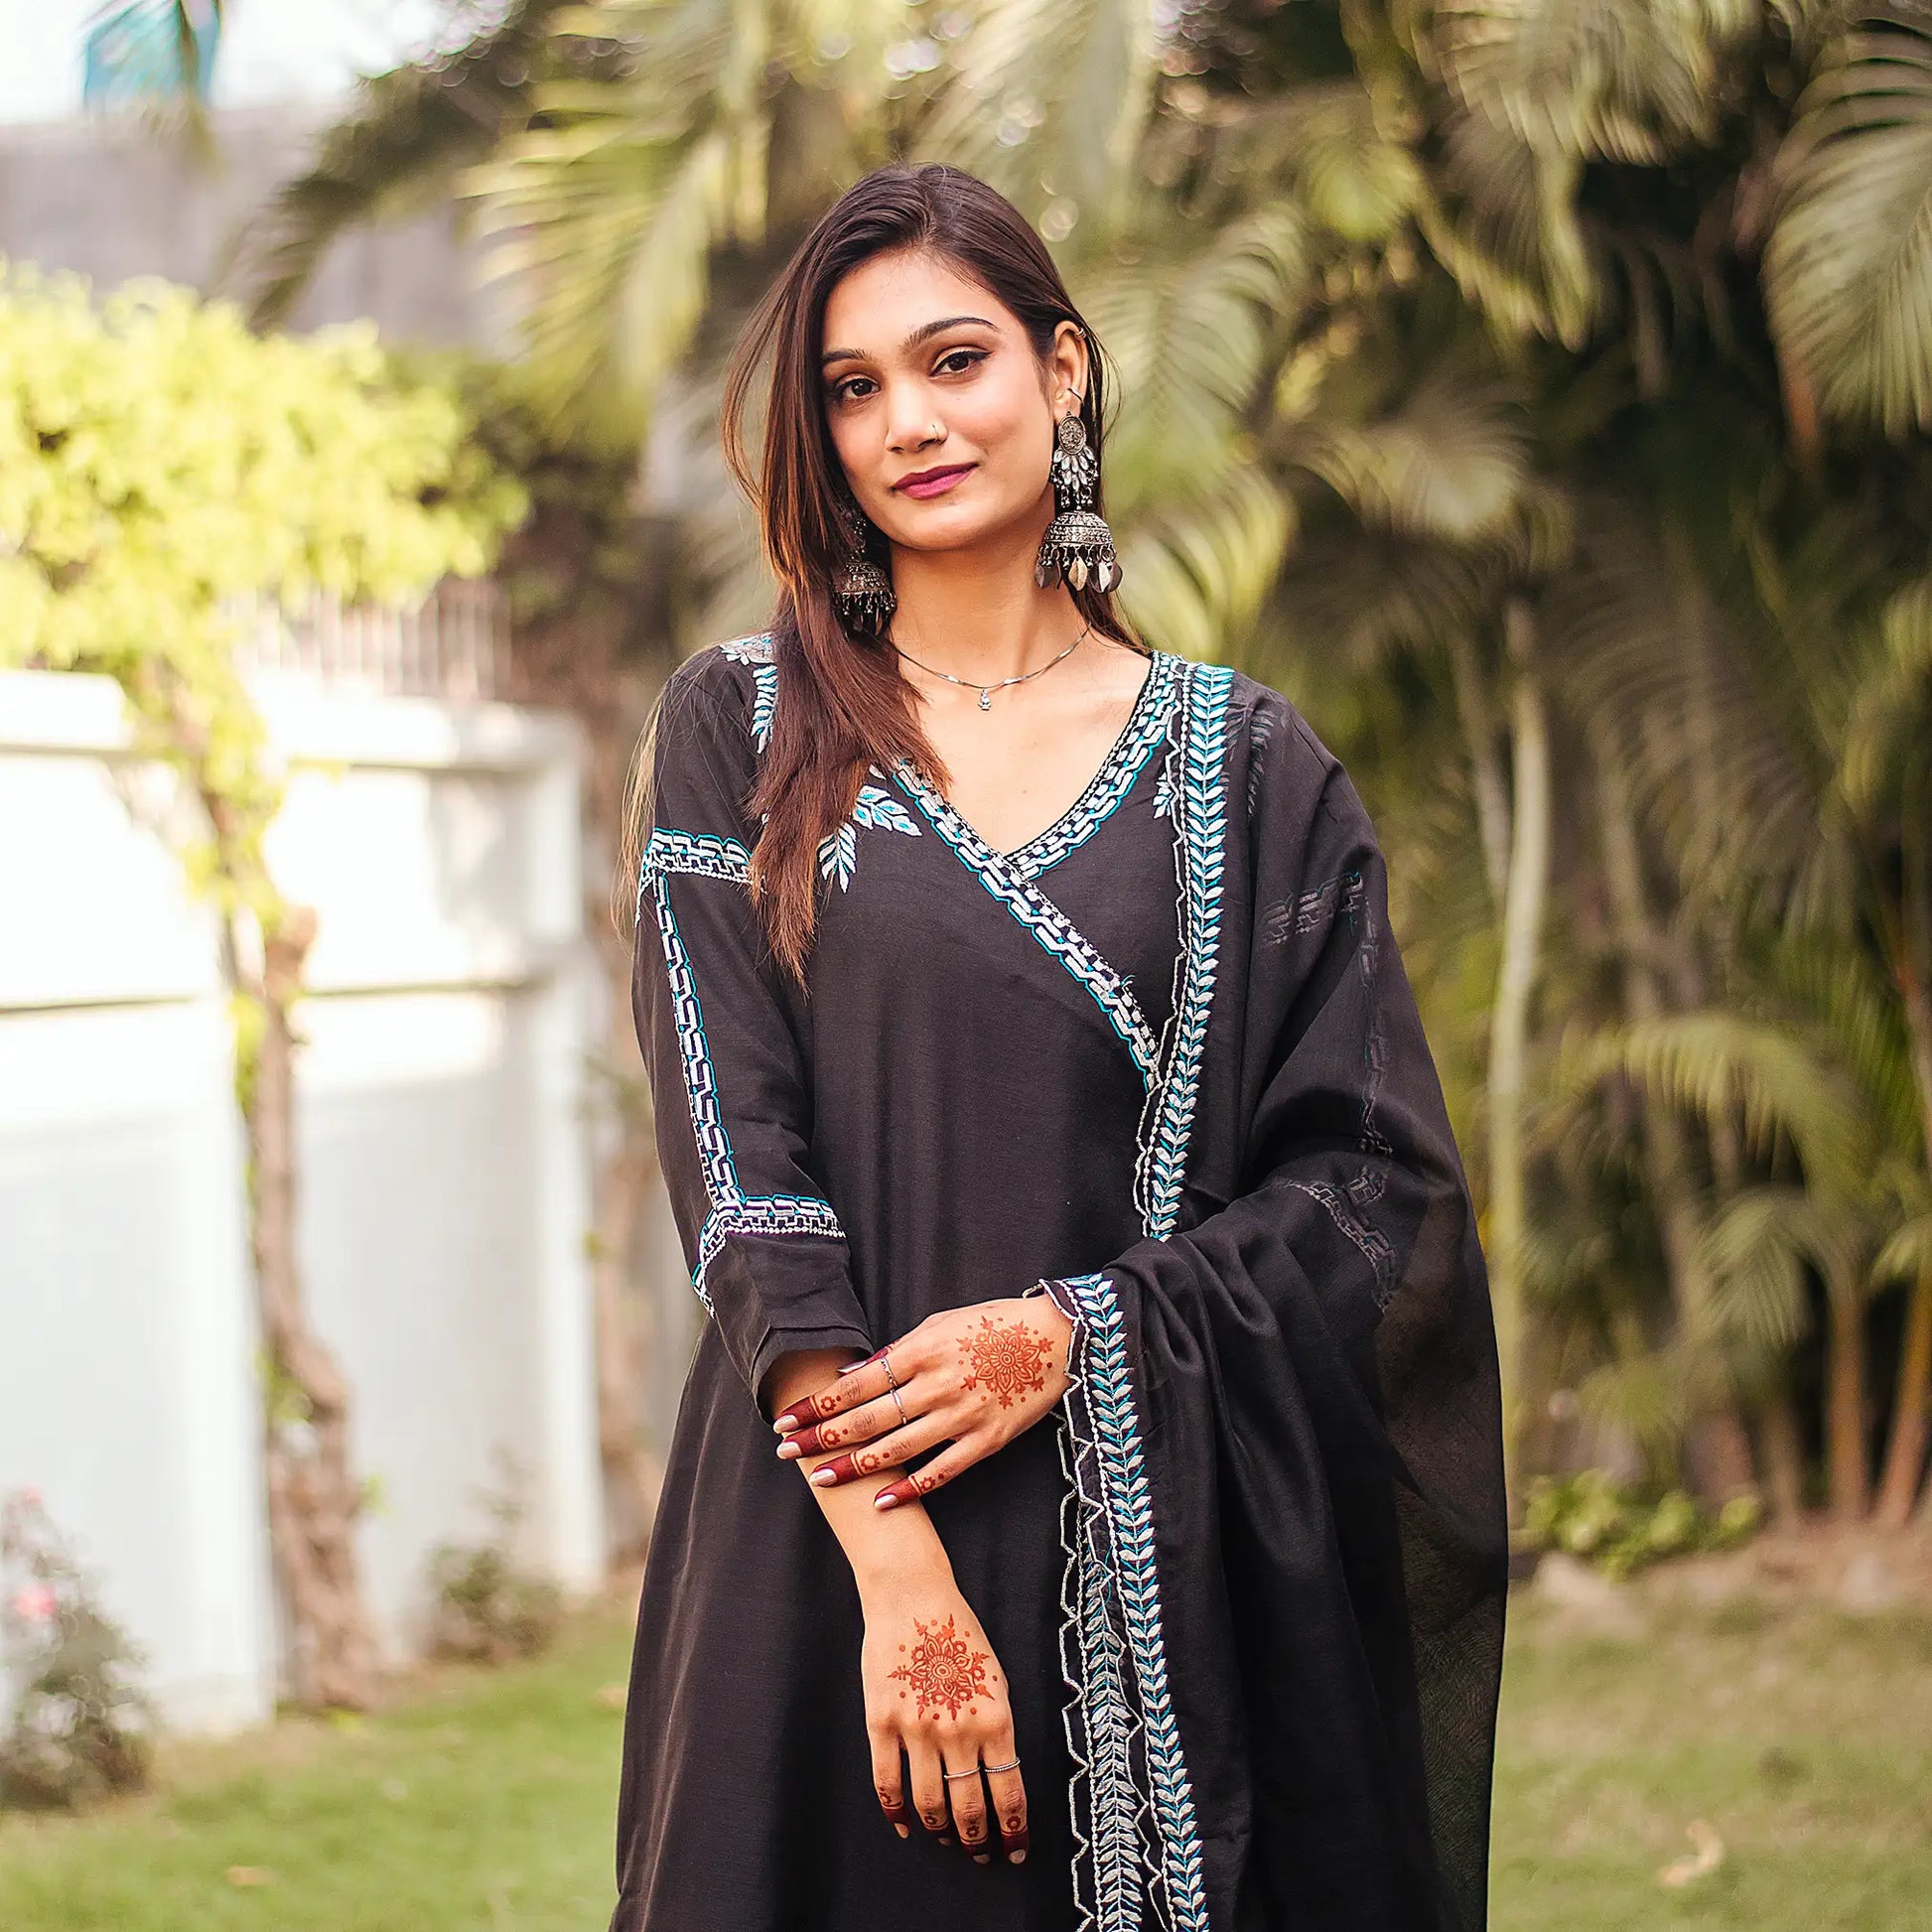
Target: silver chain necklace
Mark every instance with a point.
(986, 691)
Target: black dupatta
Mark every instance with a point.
(1286, 1522)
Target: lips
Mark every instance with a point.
(933, 482)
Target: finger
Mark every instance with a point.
(1008, 1792)
(888, 1453)
(929, 1789)
(887, 1779)
(928, 1476)
(858, 1382)
(967, 1796)
(859, 1425)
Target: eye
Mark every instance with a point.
(952, 356)
(841, 391)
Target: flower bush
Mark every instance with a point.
(81, 1726)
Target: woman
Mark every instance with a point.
(1085, 1504)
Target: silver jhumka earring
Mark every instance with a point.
(862, 591)
(1078, 547)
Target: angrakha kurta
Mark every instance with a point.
(1246, 1580)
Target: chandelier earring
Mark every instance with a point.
(1078, 547)
(862, 590)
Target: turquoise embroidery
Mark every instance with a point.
(1200, 799)
(1125, 761)
(838, 851)
(733, 1210)
(756, 652)
(1115, 1554)
(1112, 1595)
(707, 852)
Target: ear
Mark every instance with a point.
(1067, 364)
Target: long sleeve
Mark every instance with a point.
(1285, 1426)
(729, 1078)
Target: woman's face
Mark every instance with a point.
(926, 370)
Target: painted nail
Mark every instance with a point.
(885, 1500)
(789, 1452)
(982, 1858)
(822, 1479)
(1016, 1858)
(948, 1839)
(905, 1831)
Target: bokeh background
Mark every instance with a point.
(1535, 391)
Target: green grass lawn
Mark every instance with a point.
(483, 1804)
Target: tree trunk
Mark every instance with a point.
(629, 1469)
(1510, 1021)
(1485, 772)
(1905, 1452)
(314, 1497)
(1720, 1450)
(1784, 1460)
(1845, 1449)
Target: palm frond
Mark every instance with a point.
(1195, 572)
(1597, 79)
(1847, 270)
(1449, 462)
(1047, 100)
(1724, 1065)
(407, 136)
(1753, 1251)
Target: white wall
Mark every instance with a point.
(443, 1158)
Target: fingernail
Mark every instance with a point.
(822, 1479)
(1017, 1857)
(905, 1831)
(849, 1366)
(946, 1840)
(885, 1500)
(789, 1452)
(982, 1858)
(785, 1425)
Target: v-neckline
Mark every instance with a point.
(1022, 858)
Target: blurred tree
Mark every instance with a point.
(157, 463)
(1539, 389)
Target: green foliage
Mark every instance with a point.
(1621, 1527)
(82, 1726)
(488, 1609)
(158, 462)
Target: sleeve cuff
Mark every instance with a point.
(789, 1341)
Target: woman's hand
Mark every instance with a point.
(935, 1694)
(969, 1379)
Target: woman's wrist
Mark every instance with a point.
(899, 1555)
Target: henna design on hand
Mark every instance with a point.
(944, 1670)
(1008, 1357)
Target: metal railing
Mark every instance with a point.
(455, 643)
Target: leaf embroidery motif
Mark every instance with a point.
(838, 851)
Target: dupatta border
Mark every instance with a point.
(1132, 1803)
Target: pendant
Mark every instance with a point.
(986, 699)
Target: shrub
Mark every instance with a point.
(488, 1608)
(1621, 1527)
(81, 1726)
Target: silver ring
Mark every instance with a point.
(973, 1773)
(1014, 1766)
(885, 1362)
(900, 1406)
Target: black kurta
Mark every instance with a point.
(1246, 1582)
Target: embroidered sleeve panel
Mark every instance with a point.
(729, 1078)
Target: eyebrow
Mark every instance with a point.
(924, 333)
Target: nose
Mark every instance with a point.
(912, 419)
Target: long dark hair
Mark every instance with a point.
(845, 704)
